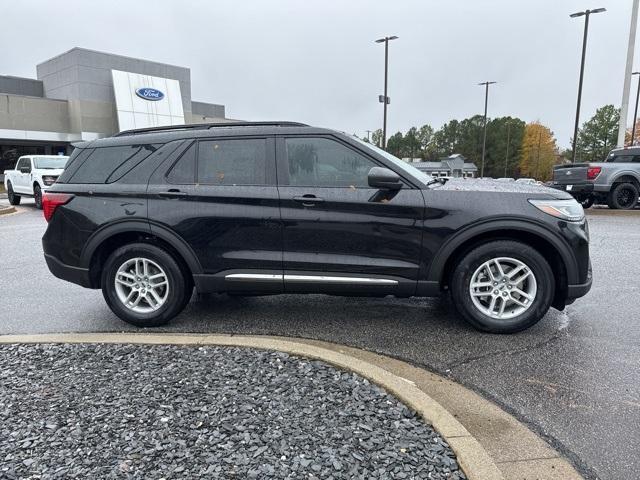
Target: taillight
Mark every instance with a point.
(593, 172)
(51, 201)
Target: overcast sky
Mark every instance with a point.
(316, 61)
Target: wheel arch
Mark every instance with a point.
(626, 177)
(113, 236)
(552, 247)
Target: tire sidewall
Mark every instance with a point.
(11, 195)
(175, 301)
(37, 196)
(471, 262)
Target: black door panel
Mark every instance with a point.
(338, 226)
(228, 227)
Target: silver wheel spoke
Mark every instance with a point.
(503, 304)
(522, 294)
(521, 278)
(498, 267)
(481, 294)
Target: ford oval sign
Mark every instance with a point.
(150, 94)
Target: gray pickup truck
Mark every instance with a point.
(614, 182)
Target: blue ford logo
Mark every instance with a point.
(150, 94)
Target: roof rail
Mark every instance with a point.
(207, 126)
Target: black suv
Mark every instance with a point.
(281, 207)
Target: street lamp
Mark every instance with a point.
(484, 138)
(635, 112)
(586, 15)
(385, 98)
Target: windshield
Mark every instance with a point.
(49, 163)
(401, 164)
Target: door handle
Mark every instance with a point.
(308, 200)
(173, 193)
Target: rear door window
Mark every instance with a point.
(108, 164)
(232, 162)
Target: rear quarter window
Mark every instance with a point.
(108, 164)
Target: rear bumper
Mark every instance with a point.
(574, 189)
(79, 276)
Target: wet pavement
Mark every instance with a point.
(574, 378)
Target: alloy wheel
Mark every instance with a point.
(625, 197)
(141, 285)
(503, 288)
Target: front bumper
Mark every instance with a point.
(580, 290)
(77, 275)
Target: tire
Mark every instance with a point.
(539, 284)
(587, 202)
(624, 196)
(145, 314)
(37, 196)
(13, 198)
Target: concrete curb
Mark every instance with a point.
(7, 210)
(472, 457)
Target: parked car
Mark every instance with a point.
(32, 176)
(530, 181)
(270, 208)
(614, 182)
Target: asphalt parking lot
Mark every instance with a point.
(574, 377)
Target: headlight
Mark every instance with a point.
(49, 180)
(568, 210)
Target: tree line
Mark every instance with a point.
(514, 147)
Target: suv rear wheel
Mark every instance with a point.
(624, 196)
(144, 285)
(13, 198)
(502, 286)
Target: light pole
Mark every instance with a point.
(484, 126)
(586, 15)
(635, 112)
(385, 98)
(368, 135)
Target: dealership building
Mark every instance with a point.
(82, 95)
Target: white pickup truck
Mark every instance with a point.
(33, 175)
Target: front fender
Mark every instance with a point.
(436, 270)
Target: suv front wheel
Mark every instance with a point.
(502, 286)
(144, 285)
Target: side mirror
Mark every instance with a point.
(25, 169)
(384, 179)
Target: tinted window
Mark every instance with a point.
(232, 162)
(78, 156)
(320, 162)
(108, 164)
(627, 158)
(184, 170)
